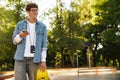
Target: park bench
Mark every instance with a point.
(96, 70)
(6, 75)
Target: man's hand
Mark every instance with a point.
(23, 33)
(43, 66)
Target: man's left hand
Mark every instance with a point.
(43, 66)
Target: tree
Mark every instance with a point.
(8, 21)
(105, 22)
(66, 32)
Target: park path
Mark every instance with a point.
(84, 74)
(100, 73)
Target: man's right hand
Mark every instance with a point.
(23, 33)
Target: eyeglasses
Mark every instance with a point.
(34, 10)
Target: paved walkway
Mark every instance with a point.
(84, 74)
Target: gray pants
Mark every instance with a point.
(24, 68)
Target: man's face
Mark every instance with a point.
(33, 12)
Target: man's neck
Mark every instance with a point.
(32, 20)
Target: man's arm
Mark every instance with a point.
(18, 35)
(44, 46)
(43, 65)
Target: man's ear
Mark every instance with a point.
(27, 12)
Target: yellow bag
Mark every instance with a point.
(42, 75)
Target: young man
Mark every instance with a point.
(30, 36)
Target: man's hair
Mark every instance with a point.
(31, 5)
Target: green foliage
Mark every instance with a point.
(8, 20)
(106, 16)
(87, 21)
(95, 22)
(6, 46)
(58, 60)
(66, 32)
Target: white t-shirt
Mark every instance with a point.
(30, 39)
